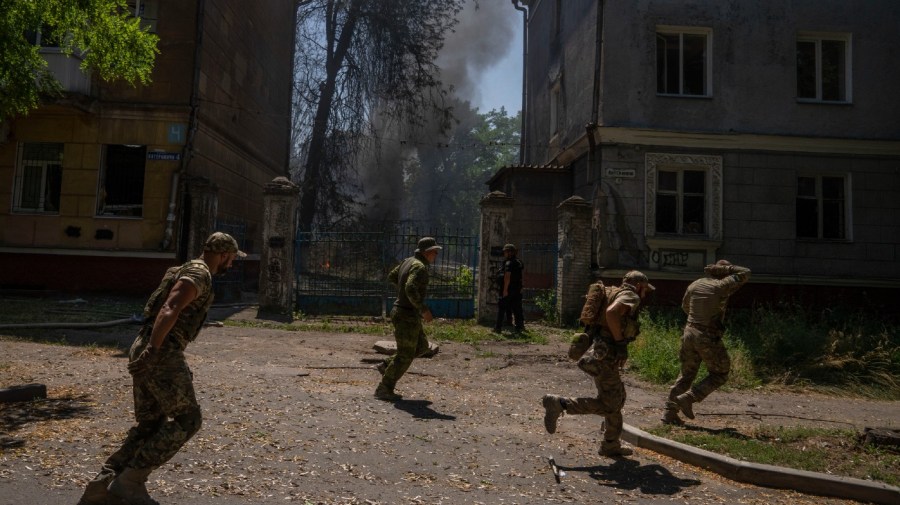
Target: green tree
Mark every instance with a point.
(447, 181)
(111, 40)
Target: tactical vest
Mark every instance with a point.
(191, 318)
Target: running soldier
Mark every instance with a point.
(411, 279)
(604, 362)
(165, 406)
(704, 303)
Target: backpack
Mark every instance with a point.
(593, 313)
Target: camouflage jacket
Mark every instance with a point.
(411, 279)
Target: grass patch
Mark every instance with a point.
(830, 351)
(451, 330)
(824, 450)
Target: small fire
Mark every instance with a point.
(326, 265)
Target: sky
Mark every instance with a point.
(501, 84)
(482, 57)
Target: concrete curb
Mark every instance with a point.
(766, 475)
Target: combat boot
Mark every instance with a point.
(95, 492)
(671, 418)
(553, 408)
(129, 486)
(685, 402)
(383, 393)
(614, 449)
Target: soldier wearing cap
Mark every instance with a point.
(165, 406)
(509, 305)
(411, 279)
(609, 353)
(704, 303)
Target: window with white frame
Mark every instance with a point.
(38, 179)
(681, 201)
(684, 196)
(823, 207)
(823, 67)
(683, 61)
(121, 191)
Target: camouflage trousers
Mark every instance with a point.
(700, 346)
(411, 343)
(165, 408)
(609, 401)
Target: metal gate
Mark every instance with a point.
(345, 272)
(539, 277)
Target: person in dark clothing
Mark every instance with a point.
(509, 306)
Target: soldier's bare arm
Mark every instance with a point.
(183, 293)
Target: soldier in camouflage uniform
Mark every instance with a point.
(704, 303)
(165, 407)
(411, 279)
(604, 362)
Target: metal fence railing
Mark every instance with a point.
(345, 272)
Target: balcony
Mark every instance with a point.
(67, 71)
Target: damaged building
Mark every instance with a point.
(108, 185)
(689, 131)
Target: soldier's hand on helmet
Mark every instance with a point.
(145, 361)
(717, 271)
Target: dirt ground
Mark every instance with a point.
(290, 417)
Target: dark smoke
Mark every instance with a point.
(483, 36)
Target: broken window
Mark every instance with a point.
(121, 191)
(822, 207)
(823, 63)
(681, 201)
(683, 63)
(38, 178)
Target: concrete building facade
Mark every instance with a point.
(106, 186)
(761, 132)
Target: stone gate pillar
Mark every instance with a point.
(496, 213)
(276, 267)
(573, 272)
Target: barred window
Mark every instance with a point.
(38, 179)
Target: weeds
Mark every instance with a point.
(831, 350)
(832, 451)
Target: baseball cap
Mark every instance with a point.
(635, 277)
(223, 242)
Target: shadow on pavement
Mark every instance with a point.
(420, 409)
(630, 474)
(14, 416)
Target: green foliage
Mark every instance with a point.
(788, 344)
(825, 450)
(546, 301)
(464, 279)
(111, 41)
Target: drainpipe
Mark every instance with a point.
(187, 151)
(522, 142)
(591, 128)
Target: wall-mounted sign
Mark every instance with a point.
(176, 133)
(620, 172)
(163, 156)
